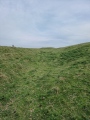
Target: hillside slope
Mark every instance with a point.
(45, 84)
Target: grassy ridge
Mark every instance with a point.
(45, 84)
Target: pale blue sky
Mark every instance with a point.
(44, 23)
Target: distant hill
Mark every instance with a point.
(45, 84)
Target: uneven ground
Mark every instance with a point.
(45, 84)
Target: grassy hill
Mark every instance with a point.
(45, 84)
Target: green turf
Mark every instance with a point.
(45, 83)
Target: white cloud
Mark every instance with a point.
(35, 21)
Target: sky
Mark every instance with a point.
(44, 23)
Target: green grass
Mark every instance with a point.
(45, 84)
